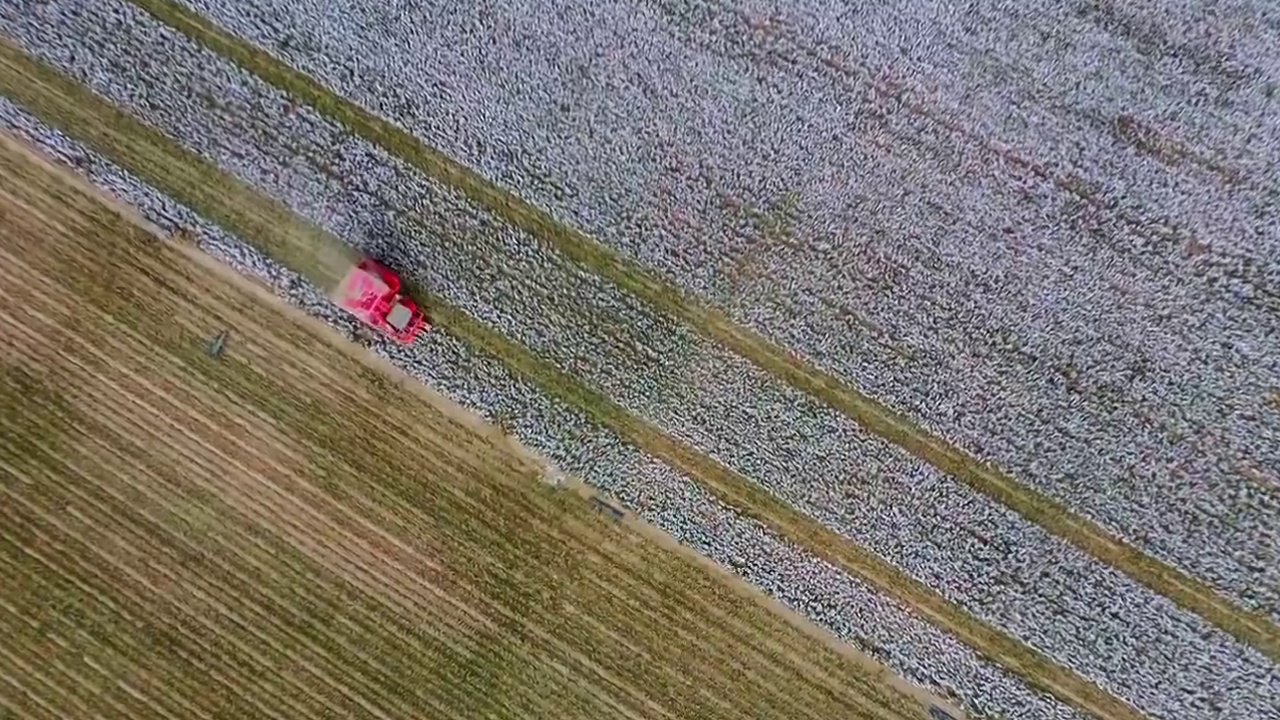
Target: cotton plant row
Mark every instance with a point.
(833, 599)
(1050, 288)
(988, 561)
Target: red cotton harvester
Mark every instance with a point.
(371, 292)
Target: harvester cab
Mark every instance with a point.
(371, 292)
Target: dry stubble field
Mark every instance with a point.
(254, 537)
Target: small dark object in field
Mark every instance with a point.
(218, 344)
(614, 512)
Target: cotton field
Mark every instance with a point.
(1075, 279)
(1017, 233)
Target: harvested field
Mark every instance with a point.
(287, 532)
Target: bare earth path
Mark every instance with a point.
(290, 532)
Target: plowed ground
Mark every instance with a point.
(288, 532)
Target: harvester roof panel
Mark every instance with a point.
(398, 316)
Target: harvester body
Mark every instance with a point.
(371, 292)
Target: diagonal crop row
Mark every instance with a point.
(163, 101)
(1141, 363)
(159, 100)
(1016, 298)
